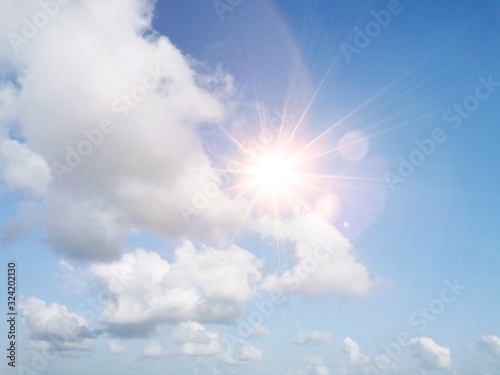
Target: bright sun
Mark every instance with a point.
(272, 174)
(278, 174)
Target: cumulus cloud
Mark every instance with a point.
(155, 350)
(120, 124)
(312, 337)
(117, 347)
(207, 285)
(352, 348)
(311, 366)
(314, 366)
(260, 330)
(196, 341)
(491, 344)
(7, 103)
(54, 327)
(23, 170)
(83, 230)
(245, 353)
(325, 261)
(432, 355)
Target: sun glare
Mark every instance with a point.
(272, 174)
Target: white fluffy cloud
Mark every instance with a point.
(155, 350)
(207, 285)
(314, 366)
(192, 339)
(117, 347)
(260, 330)
(195, 340)
(432, 355)
(492, 344)
(352, 348)
(23, 170)
(312, 337)
(118, 129)
(245, 352)
(325, 261)
(83, 229)
(54, 327)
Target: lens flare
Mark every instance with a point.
(272, 174)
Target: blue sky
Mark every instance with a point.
(155, 231)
